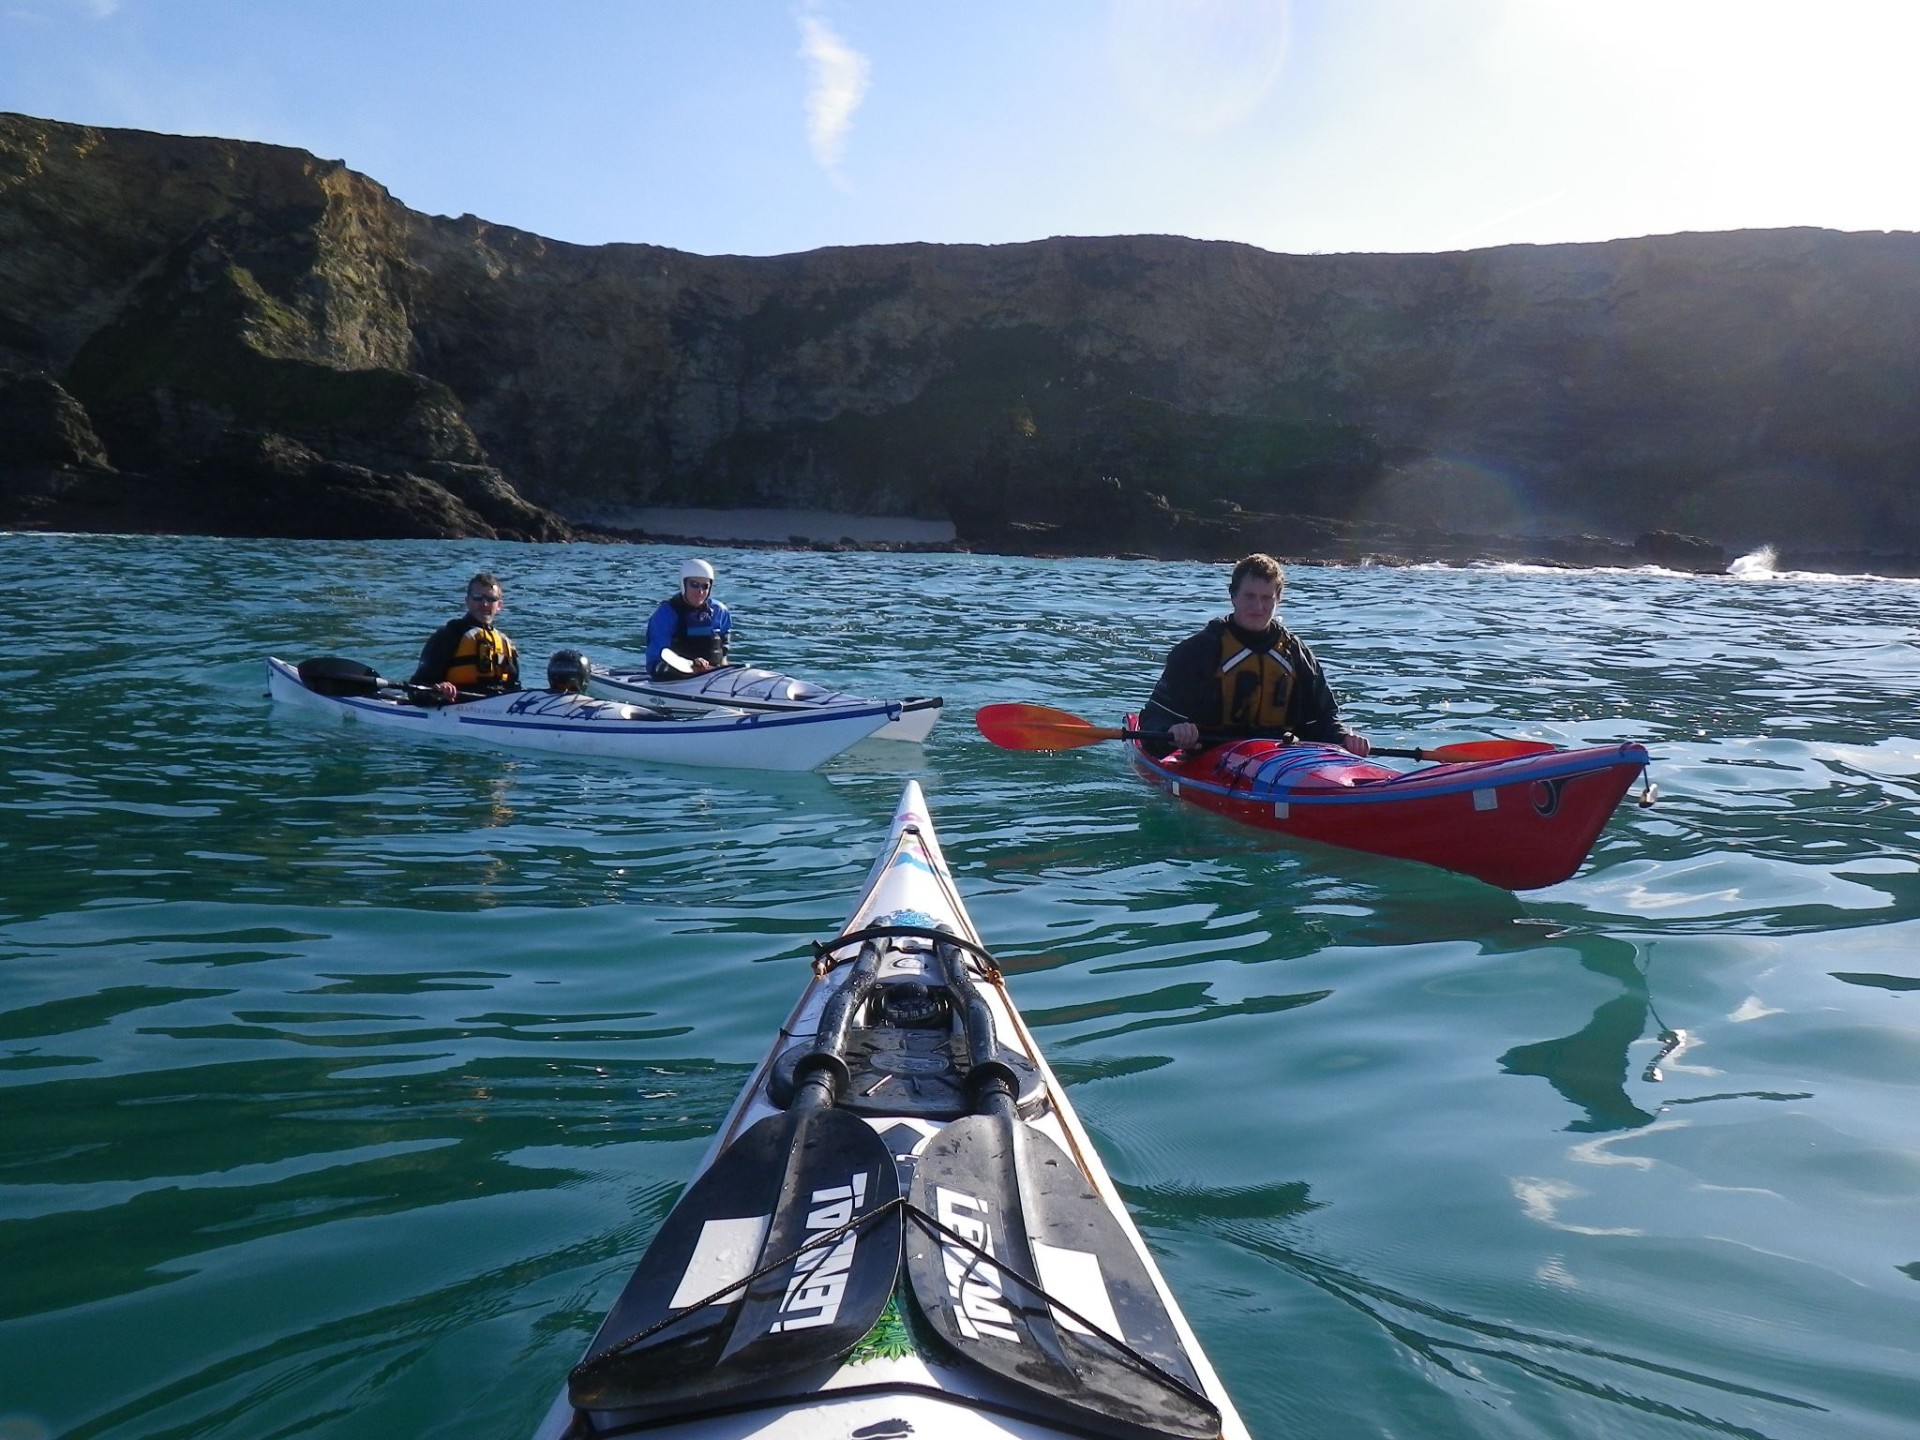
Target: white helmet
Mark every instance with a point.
(696, 570)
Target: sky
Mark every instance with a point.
(764, 127)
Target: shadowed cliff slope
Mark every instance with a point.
(235, 323)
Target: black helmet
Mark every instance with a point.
(567, 672)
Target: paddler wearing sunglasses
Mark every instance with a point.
(468, 652)
(690, 628)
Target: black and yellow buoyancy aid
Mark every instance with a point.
(1256, 684)
(483, 657)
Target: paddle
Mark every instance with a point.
(334, 675)
(1021, 1268)
(780, 1257)
(681, 665)
(1040, 727)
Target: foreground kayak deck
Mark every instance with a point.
(581, 725)
(1519, 823)
(901, 1229)
(744, 687)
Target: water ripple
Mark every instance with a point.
(346, 1077)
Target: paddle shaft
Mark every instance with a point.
(430, 695)
(1017, 726)
(679, 664)
(1465, 752)
(1225, 737)
(332, 675)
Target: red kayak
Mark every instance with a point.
(1518, 823)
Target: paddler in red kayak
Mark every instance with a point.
(1246, 674)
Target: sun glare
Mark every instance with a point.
(1744, 112)
(1199, 67)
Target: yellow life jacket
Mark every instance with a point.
(483, 657)
(1256, 686)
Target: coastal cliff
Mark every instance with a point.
(210, 335)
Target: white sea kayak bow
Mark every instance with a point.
(901, 1229)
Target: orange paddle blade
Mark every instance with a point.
(1040, 727)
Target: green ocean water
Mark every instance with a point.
(343, 1078)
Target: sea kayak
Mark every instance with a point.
(574, 724)
(901, 1229)
(744, 687)
(1519, 823)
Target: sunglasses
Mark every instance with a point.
(699, 584)
(489, 599)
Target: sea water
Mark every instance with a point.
(343, 1077)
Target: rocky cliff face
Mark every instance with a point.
(210, 310)
(222, 331)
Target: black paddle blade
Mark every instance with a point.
(335, 675)
(1015, 1194)
(788, 1180)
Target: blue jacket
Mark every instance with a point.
(695, 632)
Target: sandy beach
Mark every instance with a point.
(666, 523)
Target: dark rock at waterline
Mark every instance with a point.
(48, 447)
(1892, 564)
(1680, 552)
(253, 340)
(41, 425)
(266, 484)
(1108, 518)
(56, 475)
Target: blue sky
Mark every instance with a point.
(770, 126)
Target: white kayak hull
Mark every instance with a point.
(906, 1376)
(744, 687)
(584, 725)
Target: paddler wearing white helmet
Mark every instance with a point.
(687, 634)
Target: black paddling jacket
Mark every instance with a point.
(471, 655)
(1239, 681)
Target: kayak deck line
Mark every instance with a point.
(900, 1227)
(749, 688)
(700, 725)
(571, 723)
(1449, 778)
(704, 723)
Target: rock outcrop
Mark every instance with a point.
(223, 328)
(240, 324)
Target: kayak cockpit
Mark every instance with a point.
(910, 1042)
(1273, 765)
(900, 1173)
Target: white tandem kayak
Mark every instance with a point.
(744, 687)
(575, 724)
(901, 1229)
